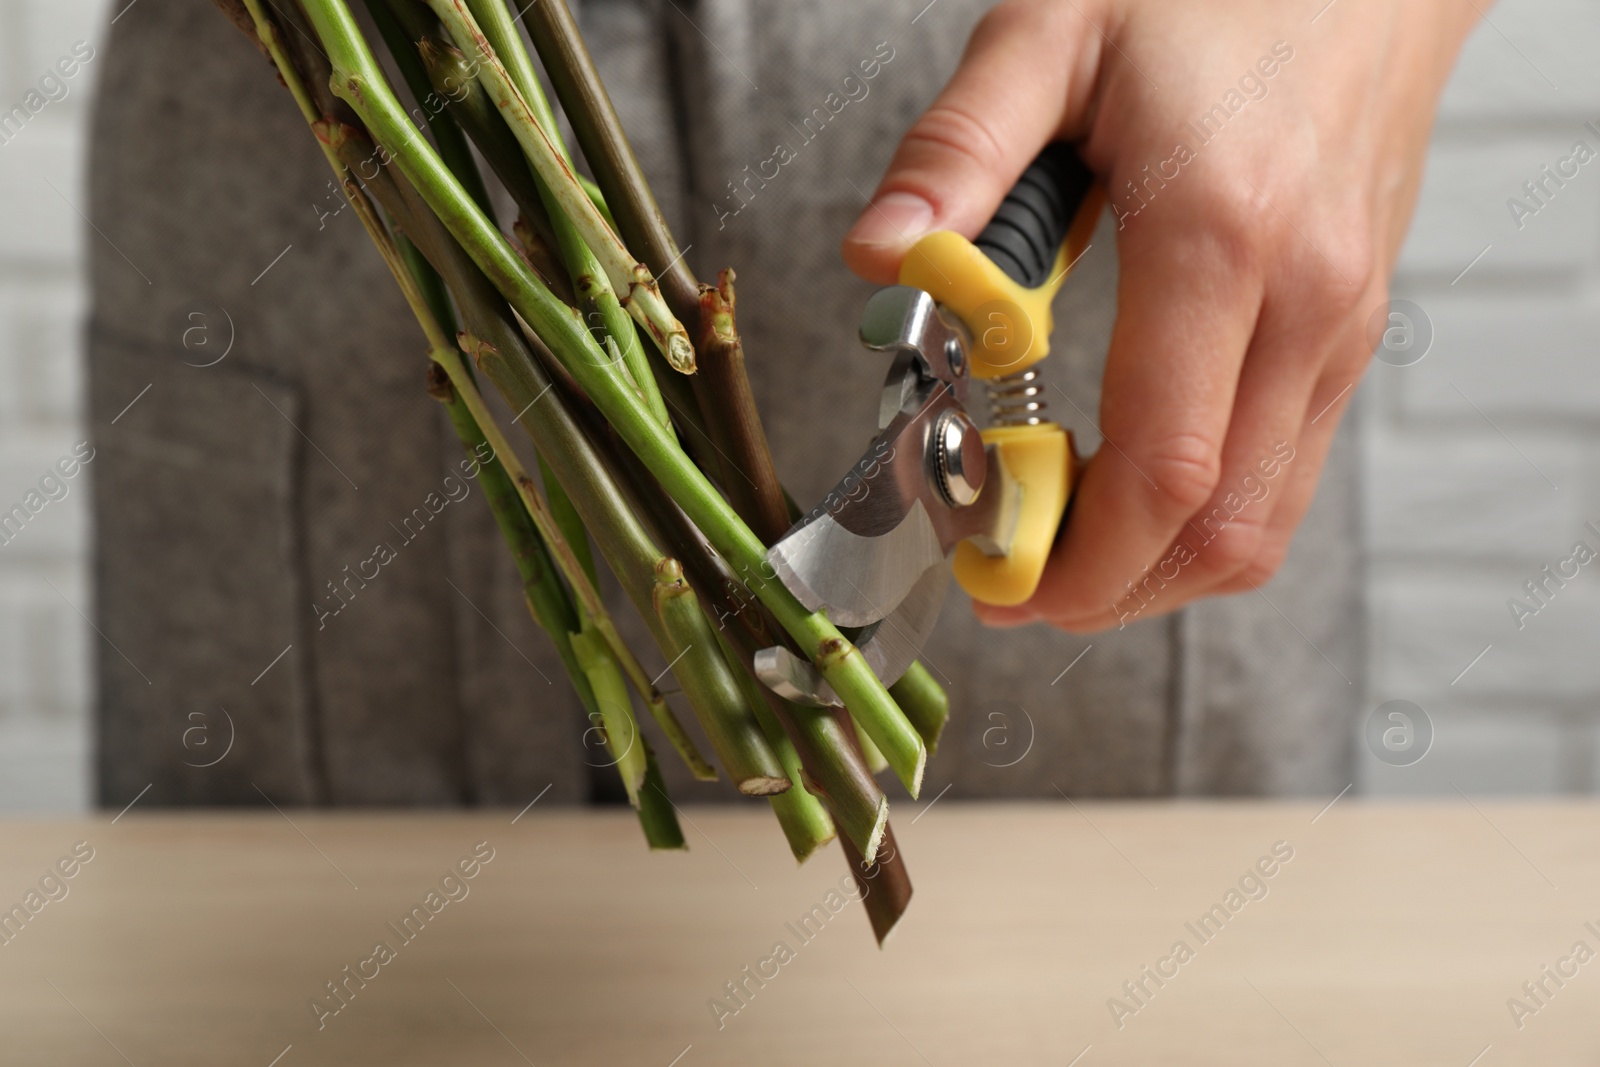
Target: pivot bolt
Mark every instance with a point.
(960, 462)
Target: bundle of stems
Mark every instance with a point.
(628, 375)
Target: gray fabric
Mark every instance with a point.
(220, 519)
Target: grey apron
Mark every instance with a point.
(238, 503)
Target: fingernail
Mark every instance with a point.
(893, 220)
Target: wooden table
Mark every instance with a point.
(1394, 935)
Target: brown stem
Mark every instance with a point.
(885, 885)
(594, 120)
(723, 387)
(241, 18)
(720, 385)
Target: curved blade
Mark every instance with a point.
(857, 578)
(871, 540)
(794, 679)
(896, 642)
(892, 646)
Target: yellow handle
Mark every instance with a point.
(1010, 325)
(1039, 460)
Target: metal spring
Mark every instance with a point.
(1017, 399)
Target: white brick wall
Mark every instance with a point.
(45, 655)
(1458, 517)
(1461, 509)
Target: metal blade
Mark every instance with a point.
(893, 645)
(852, 576)
(896, 642)
(794, 679)
(859, 554)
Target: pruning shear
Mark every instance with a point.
(934, 494)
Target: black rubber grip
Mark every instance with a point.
(1026, 232)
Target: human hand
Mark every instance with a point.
(1262, 159)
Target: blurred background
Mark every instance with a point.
(1482, 459)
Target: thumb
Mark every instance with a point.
(1025, 79)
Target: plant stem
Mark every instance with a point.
(571, 524)
(836, 772)
(505, 44)
(486, 310)
(623, 271)
(546, 599)
(884, 884)
(925, 703)
(869, 752)
(831, 765)
(267, 35)
(588, 278)
(721, 384)
(543, 592)
(803, 817)
(608, 509)
(657, 814)
(713, 688)
(481, 302)
(605, 146)
(568, 521)
(451, 74)
(616, 716)
(360, 81)
(591, 606)
(401, 38)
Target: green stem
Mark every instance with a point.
(624, 272)
(506, 44)
(589, 279)
(546, 598)
(869, 751)
(568, 520)
(712, 688)
(803, 817)
(591, 607)
(605, 146)
(402, 39)
(822, 737)
(599, 199)
(360, 81)
(753, 488)
(622, 736)
(657, 814)
(829, 762)
(720, 384)
(571, 524)
(925, 703)
(451, 75)
(485, 309)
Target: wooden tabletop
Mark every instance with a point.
(1380, 935)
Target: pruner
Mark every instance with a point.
(933, 486)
